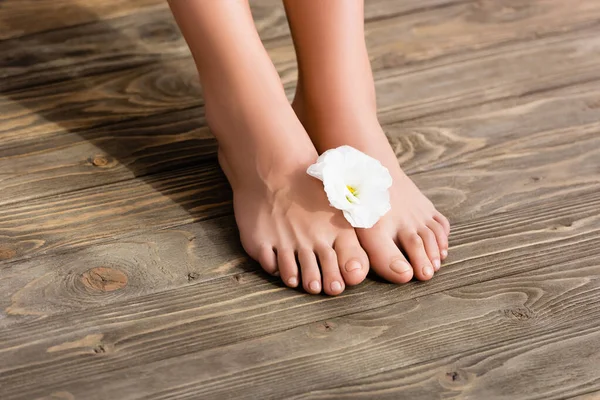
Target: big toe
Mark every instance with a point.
(352, 259)
(385, 256)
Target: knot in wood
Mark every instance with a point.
(456, 378)
(6, 253)
(453, 376)
(192, 276)
(519, 313)
(326, 326)
(100, 161)
(104, 279)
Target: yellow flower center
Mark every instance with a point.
(354, 194)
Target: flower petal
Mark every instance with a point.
(345, 170)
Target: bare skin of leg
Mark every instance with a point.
(282, 213)
(335, 101)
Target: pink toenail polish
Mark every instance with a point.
(315, 286)
(444, 253)
(436, 264)
(336, 286)
(293, 281)
(352, 265)
(400, 267)
(428, 271)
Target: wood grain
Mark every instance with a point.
(171, 258)
(16, 15)
(173, 198)
(137, 148)
(81, 103)
(216, 318)
(121, 273)
(147, 34)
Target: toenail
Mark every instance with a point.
(428, 271)
(353, 265)
(293, 281)
(444, 253)
(315, 286)
(336, 286)
(436, 264)
(276, 273)
(400, 267)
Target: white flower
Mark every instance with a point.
(355, 183)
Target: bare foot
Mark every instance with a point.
(413, 224)
(335, 100)
(283, 214)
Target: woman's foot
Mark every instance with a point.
(413, 224)
(335, 100)
(283, 215)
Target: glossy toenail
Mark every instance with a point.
(336, 286)
(400, 267)
(293, 281)
(436, 264)
(315, 286)
(444, 253)
(352, 265)
(428, 271)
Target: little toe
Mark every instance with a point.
(440, 236)
(288, 268)
(413, 245)
(351, 258)
(431, 247)
(333, 283)
(311, 277)
(268, 259)
(385, 257)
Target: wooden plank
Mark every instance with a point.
(79, 218)
(82, 103)
(35, 166)
(105, 155)
(22, 17)
(159, 260)
(16, 16)
(504, 339)
(138, 148)
(529, 164)
(510, 72)
(202, 320)
(148, 35)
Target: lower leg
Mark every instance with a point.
(335, 101)
(263, 149)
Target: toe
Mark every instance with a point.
(385, 257)
(311, 277)
(268, 259)
(351, 258)
(440, 237)
(431, 246)
(413, 245)
(333, 283)
(444, 222)
(288, 269)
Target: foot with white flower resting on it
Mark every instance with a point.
(282, 213)
(335, 100)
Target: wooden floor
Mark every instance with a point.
(121, 274)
